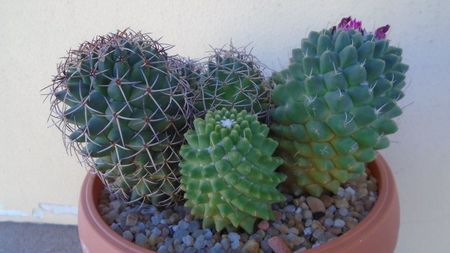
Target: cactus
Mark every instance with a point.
(228, 170)
(335, 104)
(124, 111)
(231, 78)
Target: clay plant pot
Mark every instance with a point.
(377, 233)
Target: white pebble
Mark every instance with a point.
(350, 191)
(307, 231)
(188, 240)
(234, 237)
(338, 223)
(343, 212)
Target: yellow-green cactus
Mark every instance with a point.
(228, 170)
(335, 103)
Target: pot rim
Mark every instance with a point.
(379, 168)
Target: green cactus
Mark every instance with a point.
(124, 110)
(231, 78)
(228, 170)
(334, 105)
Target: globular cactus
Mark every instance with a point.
(125, 111)
(231, 78)
(228, 170)
(335, 103)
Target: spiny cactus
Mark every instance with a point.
(335, 103)
(124, 110)
(231, 78)
(228, 170)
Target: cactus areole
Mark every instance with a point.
(334, 105)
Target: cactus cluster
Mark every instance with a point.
(228, 171)
(334, 105)
(126, 107)
(125, 111)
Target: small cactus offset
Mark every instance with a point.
(228, 170)
(125, 111)
(231, 78)
(334, 105)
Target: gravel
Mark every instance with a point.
(302, 222)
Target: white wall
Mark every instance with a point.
(35, 170)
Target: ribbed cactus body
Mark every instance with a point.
(228, 170)
(124, 111)
(231, 78)
(334, 106)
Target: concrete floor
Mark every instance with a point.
(38, 238)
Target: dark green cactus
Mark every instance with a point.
(335, 103)
(125, 111)
(231, 78)
(228, 170)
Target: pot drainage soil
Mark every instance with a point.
(301, 222)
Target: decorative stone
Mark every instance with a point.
(327, 200)
(282, 228)
(234, 236)
(132, 219)
(251, 246)
(307, 214)
(315, 204)
(263, 225)
(341, 203)
(278, 245)
(141, 239)
(338, 223)
(343, 212)
(128, 235)
(293, 231)
(188, 240)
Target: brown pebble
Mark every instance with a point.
(111, 216)
(362, 192)
(263, 225)
(278, 215)
(372, 186)
(341, 203)
(327, 200)
(315, 204)
(217, 236)
(251, 246)
(300, 226)
(278, 245)
(335, 231)
(273, 231)
(307, 214)
(298, 240)
(317, 225)
(132, 219)
(282, 228)
(304, 206)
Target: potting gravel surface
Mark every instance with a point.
(302, 222)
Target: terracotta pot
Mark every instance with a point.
(377, 233)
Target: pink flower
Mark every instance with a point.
(348, 23)
(380, 33)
